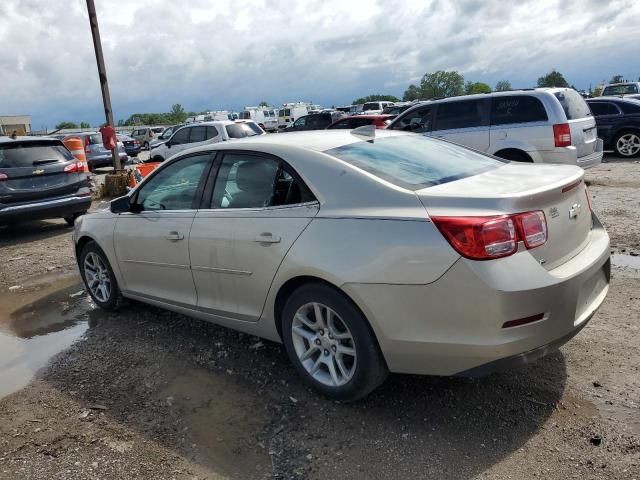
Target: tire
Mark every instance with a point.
(157, 158)
(71, 219)
(89, 255)
(328, 343)
(627, 144)
(514, 156)
(146, 145)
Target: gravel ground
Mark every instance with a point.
(150, 394)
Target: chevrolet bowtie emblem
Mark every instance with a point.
(38, 172)
(574, 210)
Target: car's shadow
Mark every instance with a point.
(32, 231)
(234, 405)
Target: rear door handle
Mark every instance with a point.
(174, 236)
(267, 238)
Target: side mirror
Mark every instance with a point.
(120, 205)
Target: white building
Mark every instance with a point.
(21, 124)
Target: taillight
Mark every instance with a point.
(3, 176)
(87, 147)
(562, 134)
(76, 167)
(484, 238)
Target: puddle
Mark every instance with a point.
(625, 261)
(36, 322)
(225, 418)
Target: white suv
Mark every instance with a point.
(546, 125)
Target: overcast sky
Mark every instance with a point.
(225, 54)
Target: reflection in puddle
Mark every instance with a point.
(37, 322)
(625, 261)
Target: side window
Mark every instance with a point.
(249, 181)
(175, 186)
(628, 107)
(517, 109)
(212, 132)
(461, 114)
(603, 108)
(418, 120)
(181, 136)
(300, 123)
(342, 124)
(198, 134)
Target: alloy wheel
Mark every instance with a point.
(324, 345)
(97, 277)
(628, 144)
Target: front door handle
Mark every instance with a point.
(267, 238)
(174, 236)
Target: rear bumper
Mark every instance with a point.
(454, 325)
(51, 208)
(569, 156)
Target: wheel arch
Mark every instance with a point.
(514, 152)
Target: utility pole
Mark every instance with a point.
(102, 73)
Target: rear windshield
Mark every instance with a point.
(285, 112)
(30, 154)
(371, 106)
(573, 104)
(620, 89)
(95, 139)
(415, 161)
(241, 130)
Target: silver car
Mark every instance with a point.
(363, 254)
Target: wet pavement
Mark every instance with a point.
(37, 321)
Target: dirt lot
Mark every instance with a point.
(150, 394)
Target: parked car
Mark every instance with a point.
(546, 125)
(97, 155)
(202, 133)
(397, 108)
(625, 88)
(618, 121)
(40, 179)
(145, 135)
(165, 135)
(395, 252)
(317, 121)
(131, 145)
(380, 121)
(371, 108)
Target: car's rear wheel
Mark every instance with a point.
(331, 344)
(627, 144)
(98, 277)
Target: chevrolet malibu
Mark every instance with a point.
(364, 252)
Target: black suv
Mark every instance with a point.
(39, 178)
(315, 121)
(618, 122)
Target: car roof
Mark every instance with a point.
(368, 115)
(7, 139)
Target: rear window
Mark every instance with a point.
(630, 107)
(573, 104)
(620, 89)
(415, 161)
(242, 130)
(30, 154)
(95, 139)
(244, 115)
(517, 109)
(371, 106)
(285, 112)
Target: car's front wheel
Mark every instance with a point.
(98, 277)
(627, 144)
(331, 344)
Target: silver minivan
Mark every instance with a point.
(545, 125)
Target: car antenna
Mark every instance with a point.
(366, 132)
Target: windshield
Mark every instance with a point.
(241, 130)
(620, 89)
(414, 161)
(29, 154)
(371, 106)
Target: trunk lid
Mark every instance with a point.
(557, 190)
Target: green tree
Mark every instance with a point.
(411, 93)
(476, 87)
(62, 125)
(376, 98)
(177, 114)
(617, 79)
(441, 84)
(263, 104)
(85, 125)
(552, 79)
(503, 86)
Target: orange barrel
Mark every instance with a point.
(76, 147)
(146, 168)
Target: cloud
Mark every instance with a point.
(224, 54)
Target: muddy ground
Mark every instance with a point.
(150, 394)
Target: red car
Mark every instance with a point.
(380, 121)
